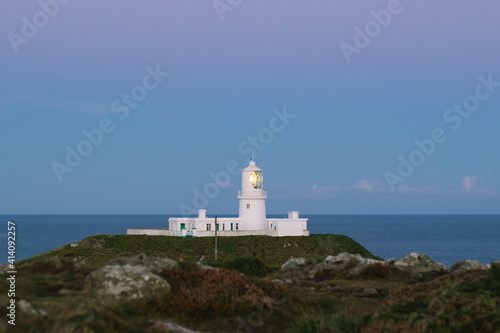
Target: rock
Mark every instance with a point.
(368, 292)
(154, 264)
(27, 308)
(74, 244)
(80, 261)
(339, 289)
(296, 267)
(288, 281)
(4, 268)
(131, 278)
(465, 265)
(93, 242)
(346, 263)
(293, 264)
(416, 262)
(201, 266)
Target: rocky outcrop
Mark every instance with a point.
(293, 264)
(465, 265)
(349, 264)
(93, 242)
(131, 278)
(368, 292)
(297, 267)
(416, 263)
(352, 265)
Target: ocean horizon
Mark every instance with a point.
(444, 238)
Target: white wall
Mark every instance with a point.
(288, 227)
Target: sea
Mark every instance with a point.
(444, 238)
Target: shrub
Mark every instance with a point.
(203, 293)
(375, 270)
(495, 270)
(310, 320)
(249, 266)
(490, 283)
(346, 322)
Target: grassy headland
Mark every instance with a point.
(54, 293)
(274, 251)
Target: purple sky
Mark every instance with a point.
(355, 114)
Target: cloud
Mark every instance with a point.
(323, 190)
(363, 185)
(469, 183)
(373, 188)
(369, 186)
(470, 186)
(314, 191)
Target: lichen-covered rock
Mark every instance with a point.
(296, 267)
(368, 292)
(131, 278)
(346, 263)
(27, 308)
(92, 242)
(293, 264)
(351, 265)
(417, 262)
(465, 265)
(154, 264)
(201, 266)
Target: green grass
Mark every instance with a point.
(211, 301)
(312, 320)
(273, 251)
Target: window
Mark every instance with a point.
(236, 226)
(209, 227)
(248, 206)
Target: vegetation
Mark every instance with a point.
(232, 251)
(247, 292)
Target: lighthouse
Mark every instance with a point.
(251, 221)
(252, 199)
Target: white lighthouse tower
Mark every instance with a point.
(251, 221)
(252, 199)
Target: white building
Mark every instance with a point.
(252, 218)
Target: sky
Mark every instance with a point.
(154, 107)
